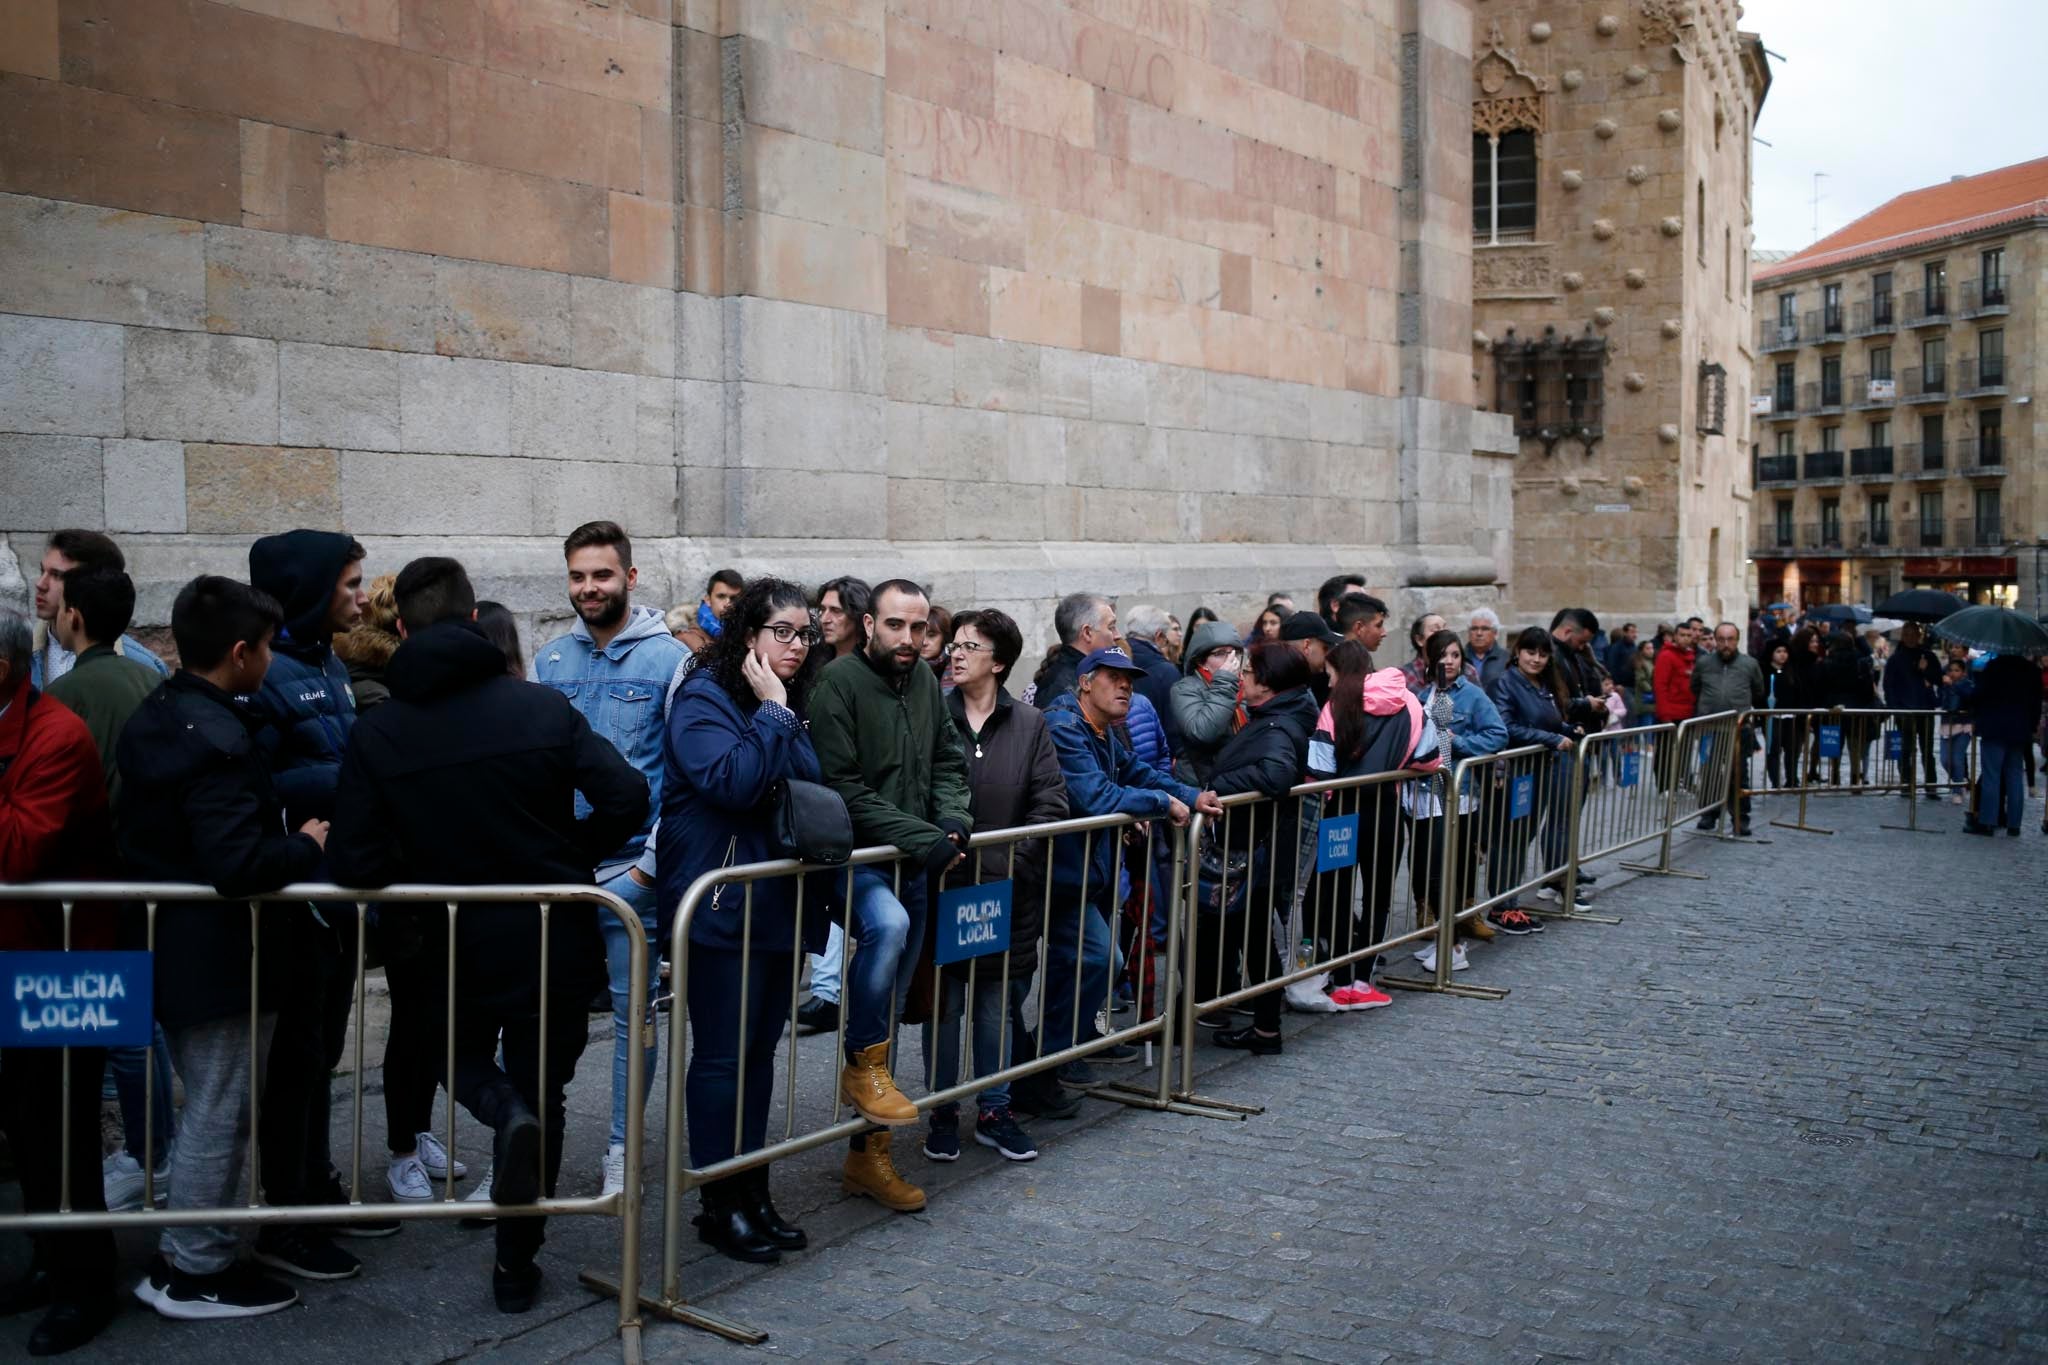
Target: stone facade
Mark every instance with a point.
(1164, 299)
(1938, 478)
(1641, 113)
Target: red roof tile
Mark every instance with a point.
(1950, 209)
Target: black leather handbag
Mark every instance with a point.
(812, 824)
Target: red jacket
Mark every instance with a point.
(53, 820)
(1672, 682)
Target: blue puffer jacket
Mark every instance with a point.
(625, 691)
(1103, 778)
(305, 702)
(722, 764)
(1148, 734)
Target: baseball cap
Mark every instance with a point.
(1306, 625)
(1111, 657)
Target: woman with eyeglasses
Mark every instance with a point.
(737, 731)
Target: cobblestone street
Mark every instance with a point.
(1790, 1112)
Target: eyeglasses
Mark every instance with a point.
(785, 633)
(968, 647)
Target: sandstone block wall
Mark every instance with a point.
(1020, 297)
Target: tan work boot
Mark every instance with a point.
(868, 1087)
(871, 1172)
(1476, 927)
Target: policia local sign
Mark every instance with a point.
(76, 999)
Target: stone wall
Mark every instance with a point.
(1015, 296)
(1644, 113)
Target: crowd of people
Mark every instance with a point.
(321, 726)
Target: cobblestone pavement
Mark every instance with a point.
(1795, 1111)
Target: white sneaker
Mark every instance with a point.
(409, 1180)
(1550, 894)
(121, 1182)
(1458, 962)
(434, 1157)
(482, 1193)
(614, 1169)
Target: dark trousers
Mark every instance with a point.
(488, 1091)
(727, 1046)
(81, 1263)
(1916, 751)
(412, 1052)
(312, 1028)
(1364, 893)
(1426, 864)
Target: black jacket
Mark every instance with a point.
(1013, 779)
(197, 805)
(468, 776)
(1269, 755)
(1062, 674)
(305, 698)
(1846, 682)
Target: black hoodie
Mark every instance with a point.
(305, 698)
(469, 777)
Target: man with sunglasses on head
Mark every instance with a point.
(887, 745)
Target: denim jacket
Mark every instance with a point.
(624, 690)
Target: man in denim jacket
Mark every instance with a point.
(621, 668)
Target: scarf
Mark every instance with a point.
(707, 620)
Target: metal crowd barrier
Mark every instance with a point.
(1877, 751)
(836, 1122)
(624, 1206)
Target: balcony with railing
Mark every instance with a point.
(1822, 466)
(1879, 314)
(1916, 460)
(1983, 298)
(1776, 538)
(1977, 533)
(1926, 307)
(1983, 455)
(1868, 391)
(1982, 376)
(1873, 535)
(1819, 397)
(1824, 325)
(1773, 335)
(1922, 535)
(1923, 384)
(1821, 535)
(1784, 403)
(1870, 462)
(1777, 469)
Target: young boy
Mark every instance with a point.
(197, 806)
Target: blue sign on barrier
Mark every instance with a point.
(81, 999)
(1521, 796)
(1337, 843)
(1706, 750)
(1895, 746)
(1830, 741)
(1631, 768)
(973, 920)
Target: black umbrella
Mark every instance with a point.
(1841, 611)
(1920, 604)
(1997, 629)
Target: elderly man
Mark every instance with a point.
(1150, 631)
(1729, 680)
(1483, 649)
(53, 826)
(1085, 622)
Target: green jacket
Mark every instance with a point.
(892, 755)
(104, 689)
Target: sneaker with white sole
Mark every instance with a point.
(614, 1169)
(240, 1291)
(1358, 996)
(1514, 921)
(121, 1182)
(1458, 962)
(1550, 894)
(434, 1157)
(410, 1182)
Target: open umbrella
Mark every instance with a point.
(1997, 629)
(1921, 604)
(1841, 611)
(1779, 606)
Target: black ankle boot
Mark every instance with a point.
(726, 1225)
(761, 1210)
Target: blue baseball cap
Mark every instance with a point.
(1109, 658)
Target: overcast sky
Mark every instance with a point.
(1887, 96)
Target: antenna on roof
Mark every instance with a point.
(1818, 176)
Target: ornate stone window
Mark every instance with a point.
(1713, 399)
(1506, 117)
(1555, 389)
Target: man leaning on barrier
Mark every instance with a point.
(1103, 778)
(197, 805)
(53, 826)
(887, 746)
(468, 776)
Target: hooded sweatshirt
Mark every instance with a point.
(625, 691)
(1205, 709)
(305, 702)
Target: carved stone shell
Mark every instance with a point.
(1539, 32)
(1638, 173)
(1481, 340)
(1572, 79)
(1603, 229)
(1573, 280)
(1637, 74)
(1671, 327)
(1635, 279)
(1606, 128)
(1671, 227)
(1572, 179)
(1668, 120)
(1570, 485)
(1604, 316)
(1668, 433)
(1607, 25)
(1634, 382)
(1632, 484)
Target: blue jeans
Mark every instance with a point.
(825, 966)
(2002, 787)
(1074, 928)
(1955, 757)
(618, 957)
(992, 1051)
(888, 930)
(717, 1061)
(128, 1066)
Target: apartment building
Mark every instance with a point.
(1898, 442)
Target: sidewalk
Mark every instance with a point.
(1786, 1113)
